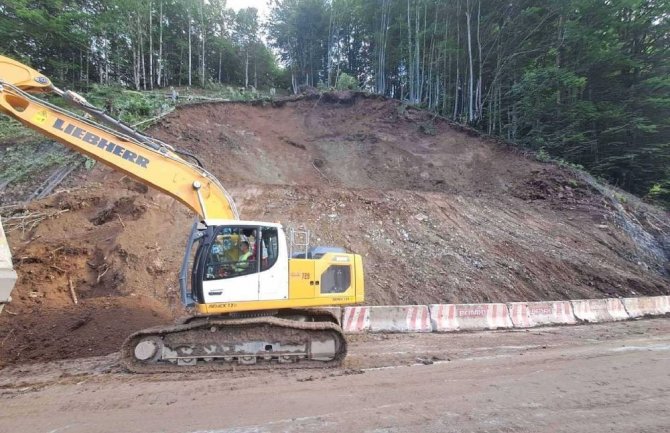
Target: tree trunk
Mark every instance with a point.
(141, 50)
(479, 48)
(159, 80)
(410, 62)
(151, 47)
(203, 33)
(458, 46)
(190, 57)
(246, 69)
(471, 81)
(220, 59)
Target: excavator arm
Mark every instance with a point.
(145, 159)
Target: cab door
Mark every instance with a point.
(273, 275)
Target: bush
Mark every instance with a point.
(346, 82)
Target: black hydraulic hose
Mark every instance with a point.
(189, 155)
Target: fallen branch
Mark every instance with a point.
(153, 119)
(120, 220)
(72, 292)
(102, 274)
(57, 268)
(29, 220)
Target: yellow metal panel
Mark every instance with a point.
(336, 259)
(22, 76)
(300, 274)
(230, 307)
(360, 282)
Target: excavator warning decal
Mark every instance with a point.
(41, 116)
(109, 146)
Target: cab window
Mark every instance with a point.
(231, 254)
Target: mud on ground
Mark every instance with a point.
(438, 213)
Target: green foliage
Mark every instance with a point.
(584, 82)
(12, 130)
(660, 192)
(542, 155)
(21, 162)
(346, 82)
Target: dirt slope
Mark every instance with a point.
(439, 214)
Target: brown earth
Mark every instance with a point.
(608, 377)
(439, 214)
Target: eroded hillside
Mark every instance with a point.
(439, 214)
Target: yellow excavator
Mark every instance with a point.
(256, 302)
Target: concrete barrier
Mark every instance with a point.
(529, 314)
(399, 318)
(647, 306)
(403, 318)
(356, 319)
(457, 317)
(7, 274)
(599, 310)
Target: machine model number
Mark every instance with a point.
(229, 305)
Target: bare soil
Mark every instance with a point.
(602, 377)
(439, 214)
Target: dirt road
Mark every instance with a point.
(611, 377)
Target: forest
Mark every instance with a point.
(582, 82)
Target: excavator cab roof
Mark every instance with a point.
(237, 223)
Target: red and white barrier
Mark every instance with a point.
(356, 319)
(647, 306)
(457, 317)
(599, 310)
(404, 318)
(529, 314)
(400, 318)
(461, 317)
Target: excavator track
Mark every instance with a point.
(223, 343)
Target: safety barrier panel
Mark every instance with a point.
(647, 306)
(599, 310)
(457, 317)
(399, 318)
(404, 318)
(529, 314)
(356, 319)
(7, 273)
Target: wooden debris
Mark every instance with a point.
(102, 274)
(72, 292)
(28, 220)
(61, 270)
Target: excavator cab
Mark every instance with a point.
(245, 266)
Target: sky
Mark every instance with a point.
(261, 5)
